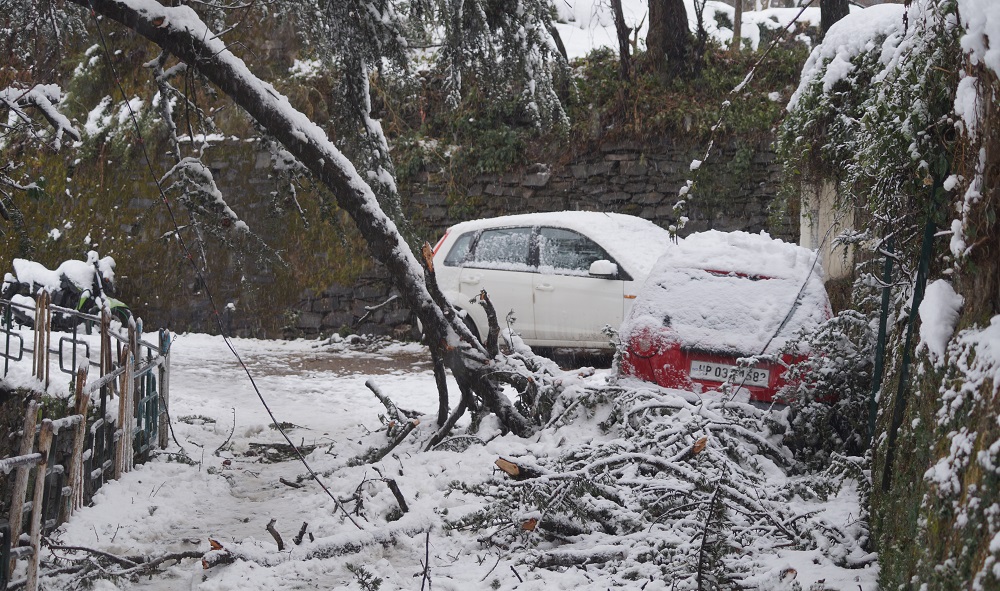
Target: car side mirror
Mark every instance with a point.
(603, 269)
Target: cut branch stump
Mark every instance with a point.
(517, 471)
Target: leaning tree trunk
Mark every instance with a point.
(181, 32)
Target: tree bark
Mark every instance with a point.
(832, 11)
(181, 32)
(669, 43)
(624, 56)
(738, 26)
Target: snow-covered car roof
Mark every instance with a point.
(634, 242)
(731, 292)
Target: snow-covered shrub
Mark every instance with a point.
(828, 409)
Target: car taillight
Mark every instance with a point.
(440, 242)
(645, 343)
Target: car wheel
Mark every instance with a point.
(471, 325)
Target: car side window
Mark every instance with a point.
(459, 250)
(503, 248)
(568, 252)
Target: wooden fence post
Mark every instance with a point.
(21, 479)
(37, 510)
(43, 337)
(75, 468)
(164, 426)
(126, 414)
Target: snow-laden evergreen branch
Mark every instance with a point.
(44, 98)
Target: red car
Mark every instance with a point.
(716, 298)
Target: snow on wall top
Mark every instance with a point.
(80, 273)
(739, 312)
(847, 38)
(634, 242)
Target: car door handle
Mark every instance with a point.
(473, 280)
(545, 287)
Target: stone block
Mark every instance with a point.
(579, 170)
(650, 198)
(538, 179)
(395, 317)
(371, 293)
(625, 146)
(334, 320)
(336, 290)
(309, 321)
(634, 168)
(436, 212)
(600, 169)
(615, 197)
(493, 189)
(619, 157)
(322, 305)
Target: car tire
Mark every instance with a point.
(471, 325)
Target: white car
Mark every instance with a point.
(566, 275)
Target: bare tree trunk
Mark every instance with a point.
(738, 26)
(669, 42)
(624, 57)
(832, 11)
(180, 31)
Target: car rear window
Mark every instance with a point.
(503, 248)
(459, 250)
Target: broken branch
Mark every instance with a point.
(274, 534)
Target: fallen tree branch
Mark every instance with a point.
(370, 309)
(133, 565)
(493, 337)
(394, 488)
(336, 545)
(287, 482)
(99, 553)
(274, 534)
(375, 455)
(228, 439)
(517, 471)
(302, 534)
(450, 423)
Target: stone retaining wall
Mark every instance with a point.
(735, 190)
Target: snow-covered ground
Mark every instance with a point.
(166, 505)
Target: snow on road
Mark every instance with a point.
(170, 506)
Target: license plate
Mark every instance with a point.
(720, 372)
